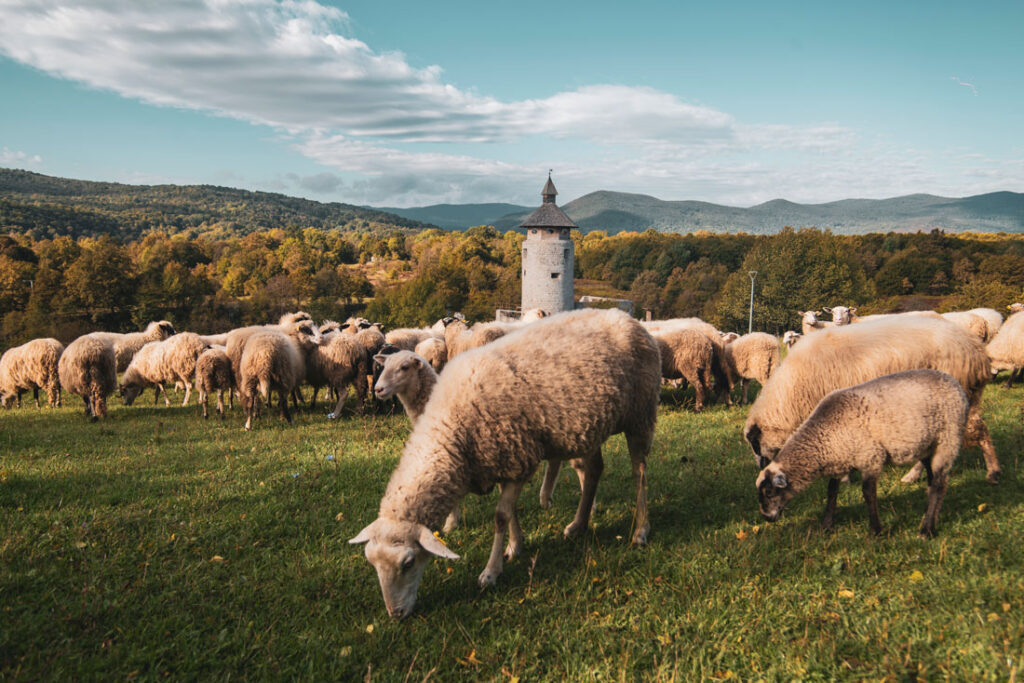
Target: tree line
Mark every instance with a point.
(62, 286)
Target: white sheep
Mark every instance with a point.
(408, 376)
(1016, 307)
(993, 320)
(406, 338)
(791, 337)
(172, 360)
(719, 366)
(31, 366)
(274, 361)
(842, 315)
(434, 351)
(127, 345)
(1006, 350)
(88, 367)
(685, 354)
(917, 416)
(753, 356)
(213, 374)
(973, 323)
(850, 354)
(554, 389)
(809, 322)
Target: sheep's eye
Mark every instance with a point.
(407, 563)
(405, 366)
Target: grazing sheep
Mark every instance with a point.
(851, 354)
(791, 337)
(31, 366)
(971, 322)
(274, 361)
(213, 374)
(237, 338)
(434, 351)
(127, 345)
(841, 315)
(336, 363)
(1006, 351)
(916, 416)
(171, 360)
(685, 354)
(88, 367)
(753, 356)
(556, 389)
(809, 322)
(719, 367)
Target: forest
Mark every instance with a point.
(206, 281)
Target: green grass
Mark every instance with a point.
(109, 532)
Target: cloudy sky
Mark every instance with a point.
(395, 103)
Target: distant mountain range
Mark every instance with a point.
(620, 211)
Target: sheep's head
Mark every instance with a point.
(7, 400)
(790, 338)
(129, 392)
(809, 317)
(307, 334)
(1016, 307)
(162, 329)
(329, 327)
(841, 315)
(292, 318)
(401, 371)
(399, 551)
(773, 491)
(729, 337)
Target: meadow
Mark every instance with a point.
(155, 544)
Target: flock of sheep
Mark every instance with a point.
(852, 394)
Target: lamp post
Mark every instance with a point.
(750, 321)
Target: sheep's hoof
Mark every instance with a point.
(545, 502)
(574, 529)
(512, 552)
(640, 538)
(910, 477)
(994, 477)
(488, 578)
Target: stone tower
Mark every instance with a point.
(548, 257)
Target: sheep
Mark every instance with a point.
(555, 389)
(791, 337)
(328, 328)
(31, 366)
(434, 351)
(213, 373)
(288, 319)
(1016, 307)
(851, 354)
(1006, 351)
(719, 367)
(336, 363)
(809, 322)
(88, 367)
(841, 315)
(237, 338)
(275, 361)
(915, 416)
(127, 345)
(532, 315)
(171, 360)
(753, 356)
(215, 339)
(993, 320)
(456, 336)
(971, 322)
(685, 354)
(406, 338)
(408, 376)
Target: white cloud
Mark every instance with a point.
(11, 157)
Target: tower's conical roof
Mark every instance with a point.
(548, 215)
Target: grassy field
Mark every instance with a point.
(155, 544)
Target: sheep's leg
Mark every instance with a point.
(220, 403)
(312, 401)
(204, 400)
(936, 492)
(60, 398)
(188, 393)
(337, 408)
(914, 474)
(452, 520)
(504, 513)
(515, 538)
(745, 383)
(592, 468)
(250, 409)
(551, 468)
(581, 474)
(19, 392)
(870, 489)
(283, 404)
(639, 445)
(830, 503)
(693, 377)
(35, 395)
(977, 434)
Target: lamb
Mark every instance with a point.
(336, 363)
(434, 351)
(213, 374)
(31, 366)
(753, 356)
(556, 389)
(916, 416)
(274, 361)
(809, 322)
(171, 360)
(127, 345)
(971, 322)
(791, 337)
(851, 354)
(842, 315)
(88, 367)
(685, 354)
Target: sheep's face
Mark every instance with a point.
(129, 393)
(7, 400)
(328, 328)
(401, 370)
(399, 551)
(841, 315)
(163, 328)
(307, 334)
(809, 317)
(1016, 308)
(773, 491)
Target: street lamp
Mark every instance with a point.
(750, 321)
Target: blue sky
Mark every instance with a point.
(411, 103)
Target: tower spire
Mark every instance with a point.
(549, 191)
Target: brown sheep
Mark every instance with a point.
(31, 366)
(213, 374)
(753, 356)
(127, 345)
(88, 367)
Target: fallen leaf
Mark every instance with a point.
(845, 593)
(992, 616)
(741, 535)
(982, 507)
(916, 576)
(665, 639)
(345, 651)
(216, 558)
(81, 544)
(340, 516)
(369, 628)
(1006, 607)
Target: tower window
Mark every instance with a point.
(554, 276)
(565, 254)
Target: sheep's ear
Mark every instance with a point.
(852, 311)
(433, 545)
(380, 358)
(762, 461)
(779, 481)
(826, 309)
(364, 535)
